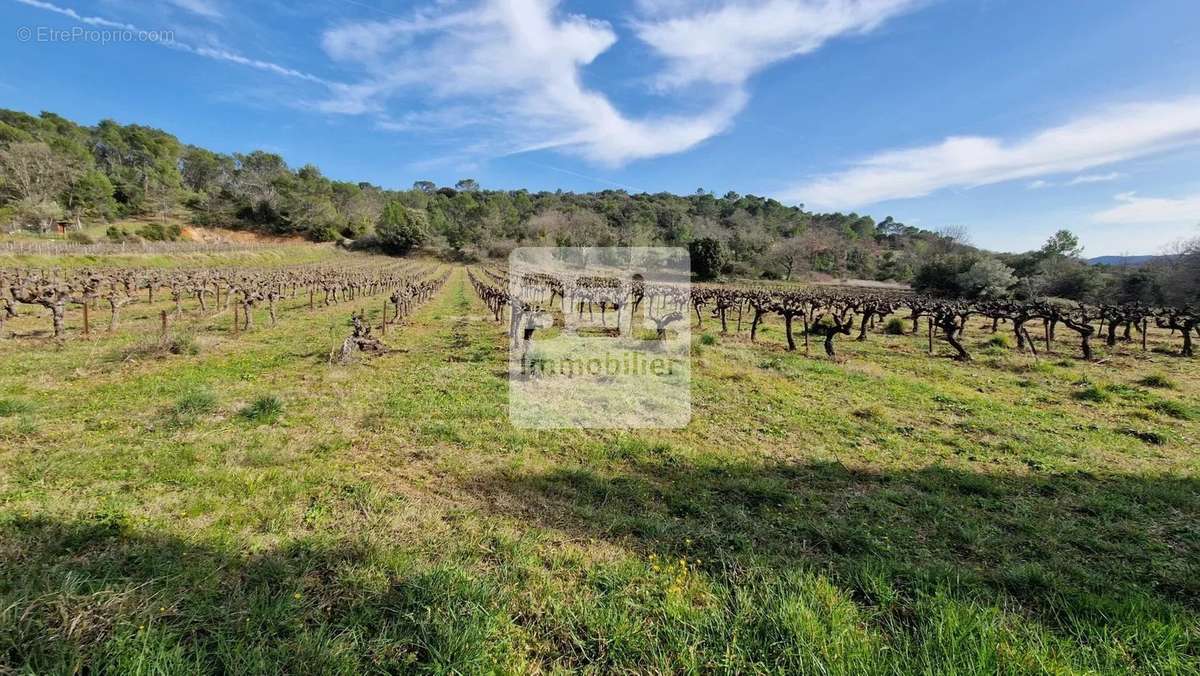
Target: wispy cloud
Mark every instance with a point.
(1113, 134)
(1095, 178)
(1134, 210)
(1078, 180)
(728, 42)
(521, 62)
(204, 8)
(215, 53)
(70, 13)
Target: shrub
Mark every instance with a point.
(401, 229)
(117, 234)
(79, 237)
(709, 257)
(708, 339)
(157, 232)
(265, 409)
(894, 327)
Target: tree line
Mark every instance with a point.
(54, 170)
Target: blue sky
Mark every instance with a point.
(1010, 118)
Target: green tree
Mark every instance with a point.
(400, 229)
(1062, 243)
(89, 195)
(987, 278)
(709, 257)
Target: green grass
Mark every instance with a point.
(12, 407)
(1158, 380)
(265, 409)
(892, 513)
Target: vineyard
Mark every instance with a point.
(829, 313)
(301, 460)
(202, 294)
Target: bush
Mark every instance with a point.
(708, 257)
(79, 237)
(157, 232)
(894, 327)
(265, 409)
(708, 339)
(401, 229)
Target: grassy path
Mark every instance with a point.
(888, 514)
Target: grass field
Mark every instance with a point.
(249, 508)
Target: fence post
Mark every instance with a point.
(162, 315)
(86, 325)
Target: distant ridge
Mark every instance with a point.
(1136, 261)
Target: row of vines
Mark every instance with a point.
(831, 312)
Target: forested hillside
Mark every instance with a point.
(111, 171)
(54, 170)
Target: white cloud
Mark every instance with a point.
(204, 8)
(730, 41)
(1039, 184)
(215, 53)
(521, 63)
(68, 12)
(1134, 210)
(1110, 135)
(1095, 178)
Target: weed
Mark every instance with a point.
(1093, 394)
(1158, 380)
(198, 402)
(265, 409)
(999, 340)
(1171, 408)
(1150, 437)
(12, 407)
